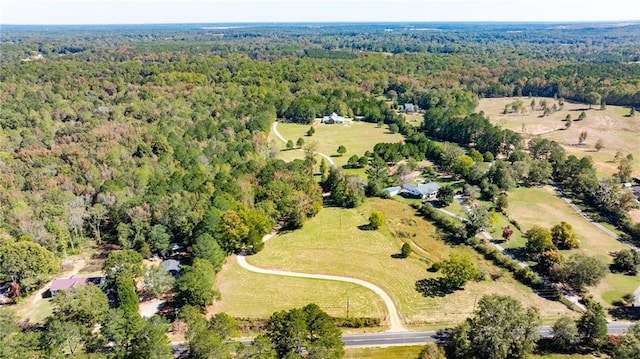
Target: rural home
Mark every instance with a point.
(409, 107)
(334, 119)
(68, 283)
(424, 191)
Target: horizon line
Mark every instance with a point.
(631, 22)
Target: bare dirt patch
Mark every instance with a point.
(635, 215)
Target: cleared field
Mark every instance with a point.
(332, 243)
(413, 351)
(253, 295)
(541, 206)
(613, 287)
(529, 206)
(357, 137)
(34, 313)
(617, 132)
(383, 353)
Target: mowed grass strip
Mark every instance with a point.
(357, 137)
(617, 131)
(332, 243)
(408, 352)
(254, 295)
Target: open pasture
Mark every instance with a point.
(613, 126)
(332, 243)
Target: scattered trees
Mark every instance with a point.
(207, 247)
(563, 236)
(157, 281)
(458, 270)
(592, 325)
(85, 305)
(500, 328)
(445, 195)
(405, 252)
(538, 240)
(341, 150)
(580, 271)
(629, 346)
(376, 219)
(565, 335)
(305, 330)
(626, 261)
(25, 262)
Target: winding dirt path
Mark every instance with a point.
(395, 322)
(274, 128)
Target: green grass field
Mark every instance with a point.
(357, 138)
(248, 294)
(541, 206)
(617, 132)
(34, 313)
(331, 243)
(410, 352)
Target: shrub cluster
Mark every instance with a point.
(357, 322)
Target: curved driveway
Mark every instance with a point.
(274, 128)
(395, 323)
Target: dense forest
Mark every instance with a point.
(142, 137)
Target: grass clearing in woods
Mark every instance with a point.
(617, 131)
(332, 243)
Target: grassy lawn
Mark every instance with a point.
(517, 239)
(618, 132)
(529, 206)
(35, 313)
(357, 137)
(248, 294)
(414, 119)
(541, 206)
(410, 352)
(331, 243)
(613, 287)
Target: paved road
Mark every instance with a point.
(395, 322)
(406, 338)
(274, 128)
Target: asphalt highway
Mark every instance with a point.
(408, 338)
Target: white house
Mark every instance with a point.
(423, 190)
(333, 118)
(409, 107)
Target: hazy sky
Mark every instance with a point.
(174, 11)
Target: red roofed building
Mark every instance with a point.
(68, 283)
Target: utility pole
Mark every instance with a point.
(347, 305)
